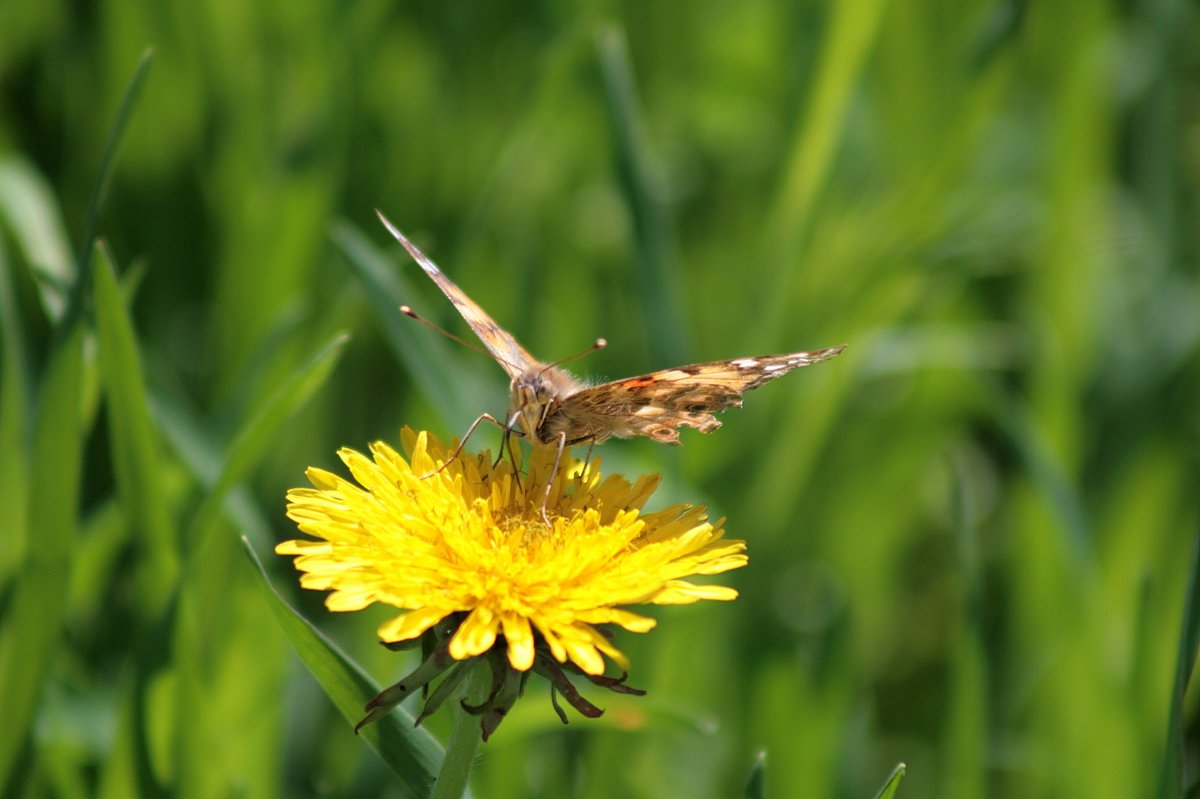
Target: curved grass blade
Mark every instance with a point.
(34, 616)
(124, 112)
(28, 209)
(411, 752)
(202, 456)
(888, 791)
(256, 435)
(135, 447)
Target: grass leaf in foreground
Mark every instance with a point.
(34, 614)
(136, 456)
(410, 751)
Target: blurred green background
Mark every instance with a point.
(971, 535)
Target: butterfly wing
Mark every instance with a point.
(499, 342)
(658, 404)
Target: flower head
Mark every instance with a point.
(462, 546)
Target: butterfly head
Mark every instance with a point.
(532, 396)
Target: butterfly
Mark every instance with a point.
(549, 406)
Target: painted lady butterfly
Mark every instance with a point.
(549, 406)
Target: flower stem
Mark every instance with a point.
(464, 739)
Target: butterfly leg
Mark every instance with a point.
(485, 417)
(562, 445)
(506, 445)
(587, 460)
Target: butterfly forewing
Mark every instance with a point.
(499, 342)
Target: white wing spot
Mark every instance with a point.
(775, 367)
(744, 363)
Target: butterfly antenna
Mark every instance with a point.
(598, 344)
(411, 314)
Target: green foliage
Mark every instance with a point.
(972, 536)
(888, 791)
(411, 752)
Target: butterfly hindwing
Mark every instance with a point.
(658, 404)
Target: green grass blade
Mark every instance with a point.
(643, 186)
(253, 440)
(999, 29)
(888, 791)
(807, 167)
(119, 777)
(756, 785)
(198, 655)
(33, 624)
(453, 391)
(28, 209)
(843, 58)
(202, 457)
(1171, 782)
(124, 112)
(137, 460)
(410, 751)
(966, 734)
(14, 423)
(1062, 496)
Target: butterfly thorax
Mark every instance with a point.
(533, 395)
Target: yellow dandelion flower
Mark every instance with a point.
(462, 547)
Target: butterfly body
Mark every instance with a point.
(536, 396)
(549, 406)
